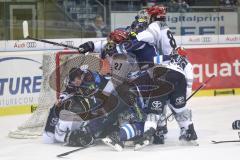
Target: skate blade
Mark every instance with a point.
(138, 146)
(108, 142)
(189, 143)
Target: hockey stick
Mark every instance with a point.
(75, 150)
(231, 141)
(199, 88)
(228, 141)
(26, 36)
(69, 152)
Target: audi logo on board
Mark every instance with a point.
(31, 44)
(70, 43)
(206, 39)
(25, 45)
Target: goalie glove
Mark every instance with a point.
(86, 47)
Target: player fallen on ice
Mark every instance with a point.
(76, 123)
(78, 97)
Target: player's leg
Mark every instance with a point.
(108, 115)
(126, 132)
(182, 114)
(155, 103)
(49, 130)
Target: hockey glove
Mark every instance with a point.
(236, 124)
(86, 47)
(79, 138)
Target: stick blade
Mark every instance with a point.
(25, 29)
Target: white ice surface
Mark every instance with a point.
(213, 117)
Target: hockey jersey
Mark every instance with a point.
(159, 35)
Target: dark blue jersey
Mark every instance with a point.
(143, 51)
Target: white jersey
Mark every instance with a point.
(159, 35)
(99, 46)
(182, 65)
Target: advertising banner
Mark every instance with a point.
(20, 79)
(224, 63)
(30, 45)
(189, 23)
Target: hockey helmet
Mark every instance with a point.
(139, 25)
(118, 35)
(157, 12)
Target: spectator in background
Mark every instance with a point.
(182, 6)
(228, 3)
(150, 3)
(97, 29)
(178, 6)
(190, 2)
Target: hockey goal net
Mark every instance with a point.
(55, 67)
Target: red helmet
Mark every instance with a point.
(118, 35)
(158, 11)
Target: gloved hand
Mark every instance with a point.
(79, 137)
(236, 124)
(86, 47)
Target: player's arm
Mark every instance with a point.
(130, 46)
(91, 46)
(148, 35)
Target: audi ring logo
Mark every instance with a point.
(31, 44)
(206, 39)
(70, 43)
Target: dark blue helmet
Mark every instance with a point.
(139, 25)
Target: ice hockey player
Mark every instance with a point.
(157, 32)
(78, 97)
(80, 123)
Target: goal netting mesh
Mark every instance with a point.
(55, 67)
